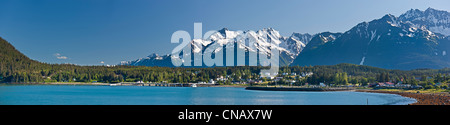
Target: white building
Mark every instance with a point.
(322, 84)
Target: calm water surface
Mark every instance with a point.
(138, 95)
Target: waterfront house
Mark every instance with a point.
(399, 85)
(305, 74)
(255, 81)
(268, 77)
(389, 84)
(322, 84)
(278, 78)
(221, 78)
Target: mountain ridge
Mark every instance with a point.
(259, 41)
(387, 42)
(420, 35)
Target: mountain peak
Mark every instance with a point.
(414, 10)
(222, 31)
(226, 33)
(265, 32)
(391, 19)
(429, 9)
(388, 17)
(295, 34)
(411, 13)
(437, 21)
(270, 29)
(153, 55)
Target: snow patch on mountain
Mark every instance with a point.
(362, 61)
(441, 29)
(326, 39)
(374, 33)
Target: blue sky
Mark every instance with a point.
(87, 32)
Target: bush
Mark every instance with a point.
(444, 87)
(428, 87)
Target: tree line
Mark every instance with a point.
(18, 68)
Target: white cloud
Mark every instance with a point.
(102, 62)
(59, 56)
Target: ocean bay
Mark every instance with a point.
(138, 95)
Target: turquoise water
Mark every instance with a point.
(138, 95)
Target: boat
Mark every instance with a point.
(194, 85)
(117, 84)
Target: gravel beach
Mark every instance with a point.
(422, 98)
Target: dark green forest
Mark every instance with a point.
(15, 67)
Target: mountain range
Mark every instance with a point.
(415, 39)
(248, 41)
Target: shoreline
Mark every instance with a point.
(421, 98)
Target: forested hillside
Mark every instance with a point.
(18, 68)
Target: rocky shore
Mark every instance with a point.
(422, 98)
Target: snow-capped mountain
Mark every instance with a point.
(249, 41)
(296, 42)
(415, 39)
(387, 42)
(151, 60)
(437, 21)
